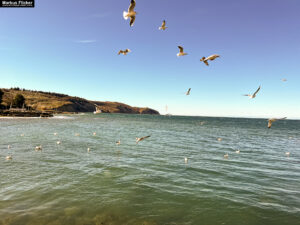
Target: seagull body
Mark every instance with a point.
(94, 134)
(38, 148)
(226, 156)
(118, 142)
(131, 13)
(77, 135)
(142, 138)
(58, 142)
(254, 94)
(55, 134)
(211, 58)
(22, 135)
(8, 147)
(284, 80)
(181, 52)
(220, 139)
(124, 52)
(9, 157)
(188, 92)
(287, 153)
(163, 26)
(272, 120)
(88, 149)
(237, 151)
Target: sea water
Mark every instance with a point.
(149, 183)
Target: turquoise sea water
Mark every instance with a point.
(149, 183)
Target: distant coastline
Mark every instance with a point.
(45, 104)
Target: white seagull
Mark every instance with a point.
(226, 156)
(118, 142)
(142, 138)
(181, 53)
(8, 147)
(124, 52)
(163, 26)
(88, 149)
(211, 58)
(38, 148)
(186, 160)
(254, 94)
(287, 153)
(55, 134)
(9, 157)
(237, 151)
(188, 92)
(270, 121)
(58, 142)
(131, 13)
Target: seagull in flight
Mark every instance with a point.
(188, 92)
(131, 13)
(284, 80)
(254, 94)
(163, 26)
(272, 120)
(181, 53)
(211, 58)
(141, 138)
(124, 52)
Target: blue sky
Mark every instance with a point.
(71, 47)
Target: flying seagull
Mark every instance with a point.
(270, 121)
(163, 26)
(254, 94)
(124, 52)
(142, 138)
(181, 53)
(131, 13)
(211, 58)
(188, 92)
(284, 80)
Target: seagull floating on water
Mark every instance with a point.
(211, 58)
(8, 147)
(38, 148)
(254, 94)
(94, 134)
(272, 120)
(124, 52)
(58, 142)
(226, 156)
(181, 52)
(186, 160)
(118, 142)
(142, 138)
(55, 134)
(220, 139)
(287, 153)
(163, 26)
(77, 135)
(237, 151)
(131, 13)
(9, 157)
(88, 149)
(188, 92)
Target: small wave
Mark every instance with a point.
(63, 117)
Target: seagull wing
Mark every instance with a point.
(132, 19)
(132, 5)
(180, 49)
(206, 63)
(188, 92)
(256, 91)
(118, 54)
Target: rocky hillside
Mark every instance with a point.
(46, 101)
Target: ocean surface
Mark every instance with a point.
(149, 183)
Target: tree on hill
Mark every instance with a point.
(1, 95)
(19, 101)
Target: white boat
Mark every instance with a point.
(98, 110)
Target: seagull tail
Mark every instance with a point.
(125, 15)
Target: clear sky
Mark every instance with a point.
(71, 47)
